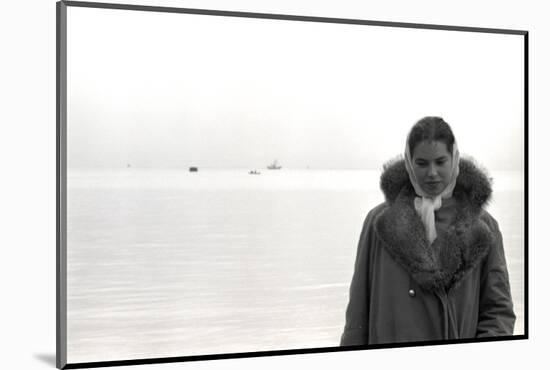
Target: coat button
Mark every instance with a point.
(412, 293)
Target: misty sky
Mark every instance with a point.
(178, 90)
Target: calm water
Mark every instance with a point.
(171, 263)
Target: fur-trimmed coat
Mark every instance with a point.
(405, 290)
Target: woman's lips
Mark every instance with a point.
(433, 184)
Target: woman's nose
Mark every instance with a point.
(432, 171)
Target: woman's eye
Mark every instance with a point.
(421, 163)
(441, 162)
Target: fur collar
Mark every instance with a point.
(461, 247)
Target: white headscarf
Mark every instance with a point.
(425, 204)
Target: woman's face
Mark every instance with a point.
(432, 166)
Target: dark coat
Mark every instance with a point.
(405, 290)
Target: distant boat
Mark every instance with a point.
(193, 169)
(274, 166)
(254, 172)
(128, 165)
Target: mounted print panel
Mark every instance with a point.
(216, 170)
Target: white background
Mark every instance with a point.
(27, 187)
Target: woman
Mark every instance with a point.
(430, 263)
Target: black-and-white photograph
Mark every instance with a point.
(241, 184)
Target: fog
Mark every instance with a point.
(176, 90)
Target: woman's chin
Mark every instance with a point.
(433, 189)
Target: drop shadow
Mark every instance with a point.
(47, 358)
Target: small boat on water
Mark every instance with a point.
(193, 169)
(274, 166)
(254, 172)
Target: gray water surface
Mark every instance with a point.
(172, 263)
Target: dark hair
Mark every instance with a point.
(431, 129)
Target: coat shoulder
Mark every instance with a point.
(373, 217)
(489, 220)
(375, 212)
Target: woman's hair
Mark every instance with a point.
(431, 129)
